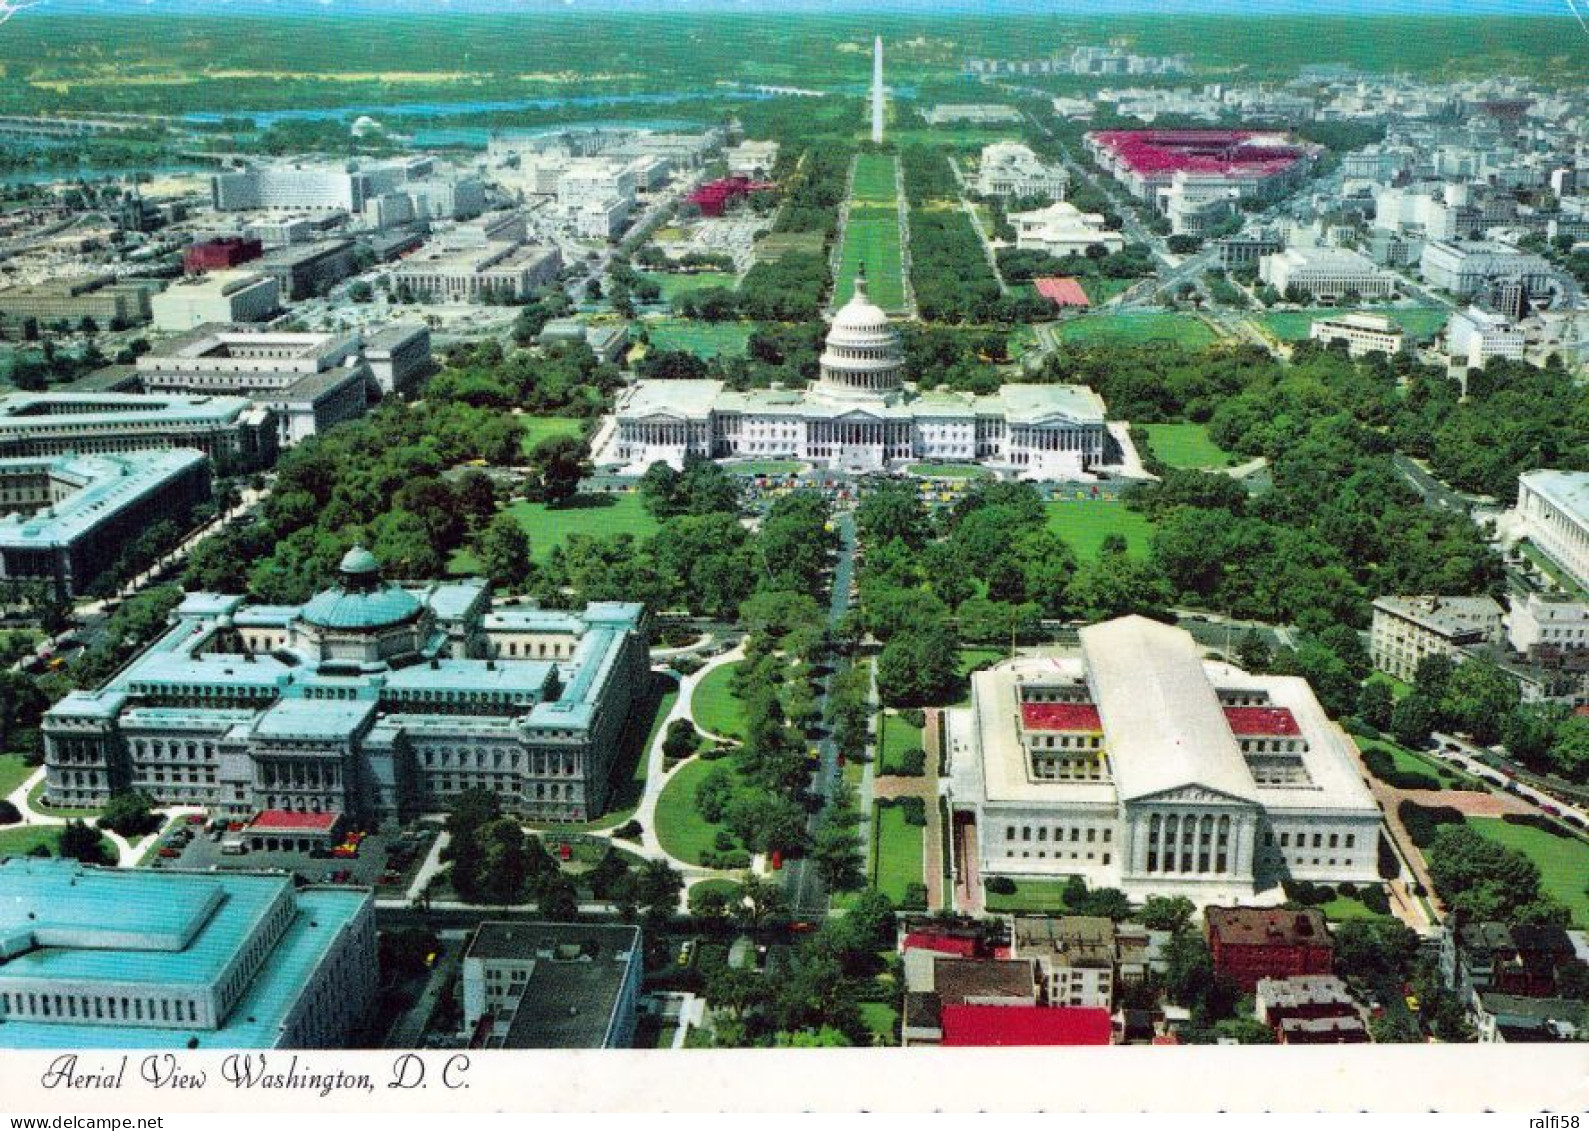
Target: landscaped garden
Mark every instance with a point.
(1563, 859)
(897, 736)
(14, 770)
(599, 515)
(715, 707)
(708, 339)
(1186, 445)
(1030, 895)
(898, 852)
(538, 428)
(682, 831)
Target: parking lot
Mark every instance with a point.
(391, 856)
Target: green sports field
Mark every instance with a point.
(1085, 523)
(1186, 445)
(1137, 329)
(704, 339)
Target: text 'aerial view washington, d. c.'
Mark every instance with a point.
(705, 525)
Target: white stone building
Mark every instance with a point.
(860, 415)
(1140, 765)
(1554, 507)
(1325, 273)
(1062, 229)
(220, 296)
(1363, 334)
(1008, 169)
(1474, 336)
(1405, 630)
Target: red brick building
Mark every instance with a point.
(1249, 943)
(220, 254)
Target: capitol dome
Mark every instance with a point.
(359, 601)
(863, 354)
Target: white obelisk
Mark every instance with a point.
(877, 91)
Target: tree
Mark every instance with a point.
(79, 842)
(918, 667)
(767, 823)
(714, 792)
(1413, 718)
(759, 902)
(708, 902)
(1375, 704)
(130, 814)
(835, 848)
(1166, 913)
(655, 888)
(504, 551)
(1479, 697)
(558, 464)
(682, 740)
(1253, 652)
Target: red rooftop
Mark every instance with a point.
(1014, 1026)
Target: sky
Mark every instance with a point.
(1561, 8)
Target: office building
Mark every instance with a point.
(1325, 273)
(221, 254)
(859, 414)
(1074, 956)
(310, 381)
(1135, 763)
(1554, 509)
(66, 519)
(302, 271)
(499, 271)
(1062, 230)
(111, 303)
(237, 434)
(1475, 336)
(530, 985)
(399, 357)
(101, 958)
(754, 159)
(1362, 334)
(1257, 165)
(218, 296)
(370, 699)
(1465, 269)
(1550, 630)
(1407, 630)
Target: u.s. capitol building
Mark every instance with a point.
(861, 416)
(371, 699)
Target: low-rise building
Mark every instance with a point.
(531, 985)
(1363, 334)
(66, 519)
(1010, 170)
(1405, 630)
(220, 254)
(500, 270)
(1249, 944)
(753, 159)
(1550, 629)
(1075, 958)
(1062, 230)
(111, 303)
(1511, 1019)
(1325, 273)
(237, 434)
(971, 113)
(607, 340)
(133, 958)
(309, 269)
(1310, 1009)
(1474, 337)
(1520, 959)
(1554, 509)
(217, 296)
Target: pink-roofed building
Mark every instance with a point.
(1256, 164)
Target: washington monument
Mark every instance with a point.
(877, 91)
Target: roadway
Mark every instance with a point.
(808, 897)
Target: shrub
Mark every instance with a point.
(915, 810)
(1533, 820)
(999, 885)
(912, 763)
(629, 830)
(1348, 889)
(1375, 899)
(723, 841)
(1424, 821)
(9, 814)
(686, 665)
(1380, 765)
(915, 897)
(915, 716)
(737, 860)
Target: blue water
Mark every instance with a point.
(480, 136)
(265, 118)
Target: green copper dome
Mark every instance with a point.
(359, 561)
(363, 609)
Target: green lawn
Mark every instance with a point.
(1186, 445)
(599, 515)
(871, 236)
(1411, 762)
(1085, 523)
(13, 772)
(1344, 907)
(949, 471)
(764, 467)
(684, 833)
(1399, 688)
(538, 428)
(714, 706)
(1030, 895)
(705, 339)
(1295, 325)
(874, 178)
(1182, 329)
(895, 736)
(674, 285)
(1563, 860)
(899, 852)
(21, 840)
(880, 1017)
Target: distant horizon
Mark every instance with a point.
(1359, 9)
